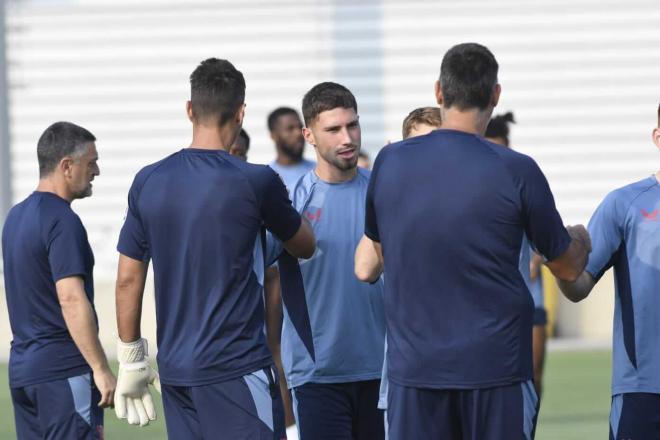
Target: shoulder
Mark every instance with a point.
(146, 172)
(303, 188)
(621, 199)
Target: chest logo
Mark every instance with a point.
(650, 216)
(313, 214)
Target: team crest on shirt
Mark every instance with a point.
(313, 214)
(650, 216)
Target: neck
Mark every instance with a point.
(470, 121)
(286, 160)
(52, 185)
(332, 174)
(207, 137)
(657, 176)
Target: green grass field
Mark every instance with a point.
(575, 405)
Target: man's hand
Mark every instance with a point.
(106, 383)
(581, 235)
(133, 400)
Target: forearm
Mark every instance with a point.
(579, 289)
(274, 312)
(570, 265)
(129, 291)
(368, 260)
(81, 323)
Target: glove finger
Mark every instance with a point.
(155, 381)
(148, 403)
(141, 411)
(132, 415)
(120, 406)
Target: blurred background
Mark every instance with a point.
(581, 76)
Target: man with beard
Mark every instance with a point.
(285, 129)
(333, 334)
(58, 373)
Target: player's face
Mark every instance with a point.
(337, 137)
(288, 135)
(656, 137)
(421, 129)
(83, 171)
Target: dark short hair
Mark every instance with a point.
(245, 137)
(423, 115)
(217, 90)
(498, 127)
(276, 114)
(326, 96)
(60, 140)
(468, 75)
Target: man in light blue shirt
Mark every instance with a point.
(625, 234)
(333, 334)
(285, 129)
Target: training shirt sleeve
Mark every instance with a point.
(67, 248)
(370, 221)
(132, 238)
(276, 210)
(606, 237)
(543, 224)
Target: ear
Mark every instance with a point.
(65, 166)
(438, 93)
(240, 115)
(189, 111)
(656, 137)
(309, 136)
(495, 98)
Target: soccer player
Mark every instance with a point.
(334, 370)
(58, 373)
(197, 215)
(625, 231)
(497, 131)
(285, 129)
(241, 145)
(445, 214)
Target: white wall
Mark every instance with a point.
(580, 75)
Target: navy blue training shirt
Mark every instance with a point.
(197, 215)
(43, 241)
(450, 210)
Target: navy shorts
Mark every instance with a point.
(338, 411)
(635, 416)
(248, 407)
(59, 409)
(501, 413)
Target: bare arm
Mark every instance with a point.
(303, 242)
(131, 277)
(80, 321)
(578, 290)
(368, 260)
(569, 265)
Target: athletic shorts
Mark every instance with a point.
(635, 416)
(59, 409)
(248, 407)
(501, 413)
(338, 411)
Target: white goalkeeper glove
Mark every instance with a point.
(132, 397)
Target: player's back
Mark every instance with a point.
(459, 313)
(200, 213)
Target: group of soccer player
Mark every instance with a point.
(309, 281)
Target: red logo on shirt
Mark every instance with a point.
(313, 214)
(650, 216)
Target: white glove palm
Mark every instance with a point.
(132, 397)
